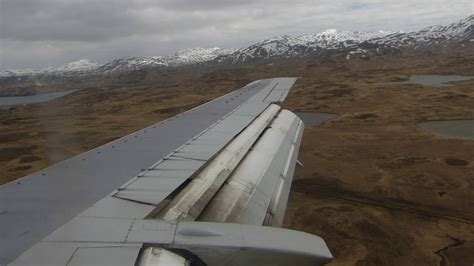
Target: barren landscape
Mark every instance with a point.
(377, 188)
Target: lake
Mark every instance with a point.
(454, 129)
(30, 99)
(433, 80)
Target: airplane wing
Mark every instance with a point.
(206, 187)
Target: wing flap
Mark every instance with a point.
(247, 195)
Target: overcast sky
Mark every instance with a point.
(41, 33)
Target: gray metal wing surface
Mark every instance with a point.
(207, 187)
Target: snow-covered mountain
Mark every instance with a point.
(353, 42)
(182, 57)
(197, 55)
(350, 43)
(462, 30)
(287, 46)
(84, 66)
(74, 68)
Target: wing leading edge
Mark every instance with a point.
(219, 198)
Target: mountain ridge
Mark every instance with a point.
(283, 46)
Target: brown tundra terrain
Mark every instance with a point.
(377, 188)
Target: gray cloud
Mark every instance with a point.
(39, 33)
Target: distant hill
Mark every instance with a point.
(350, 44)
